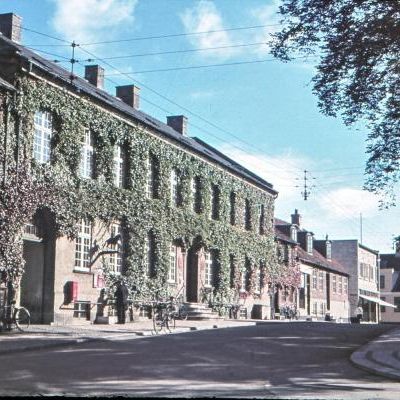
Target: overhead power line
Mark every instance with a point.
(179, 34)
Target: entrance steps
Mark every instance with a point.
(200, 311)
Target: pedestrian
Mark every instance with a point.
(359, 313)
(121, 301)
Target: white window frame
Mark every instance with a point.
(87, 153)
(309, 244)
(43, 125)
(208, 269)
(257, 278)
(340, 285)
(118, 166)
(334, 284)
(172, 264)
(174, 186)
(116, 259)
(314, 283)
(329, 251)
(293, 233)
(150, 177)
(243, 280)
(83, 244)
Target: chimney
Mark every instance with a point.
(296, 218)
(10, 26)
(129, 94)
(178, 122)
(94, 74)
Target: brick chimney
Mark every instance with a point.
(94, 74)
(296, 218)
(10, 26)
(129, 94)
(178, 122)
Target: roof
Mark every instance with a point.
(82, 86)
(4, 84)
(316, 258)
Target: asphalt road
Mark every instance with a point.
(272, 360)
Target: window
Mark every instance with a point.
(208, 279)
(261, 218)
(149, 257)
(243, 280)
(285, 253)
(315, 308)
(257, 287)
(86, 167)
(322, 308)
(321, 280)
(246, 215)
(340, 286)
(152, 170)
(334, 287)
(232, 210)
(172, 264)
(118, 166)
(383, 308)
(345, 285)
(309, 244)
(175, 188)
(215, 194)
(232, 270)
(382, 282)
(328, 250)
(396, 302)
(43, 122)
(293, 233)
(196, 194)
(116, 259)
(82, 245)
(314, 279)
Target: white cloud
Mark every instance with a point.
(204, 17)
(88, 21)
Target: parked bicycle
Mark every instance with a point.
(12, 316)
(179, 311)
(290, 311)
(163, 315)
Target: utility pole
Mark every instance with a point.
(306, 186)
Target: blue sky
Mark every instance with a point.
(264, 114)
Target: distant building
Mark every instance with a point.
(362, 265)
(323, 281)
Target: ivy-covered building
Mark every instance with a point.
(191, 221)
(315, 282)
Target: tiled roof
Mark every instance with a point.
(315, 258)
(81, 85)
(6, 85)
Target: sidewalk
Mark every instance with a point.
(44, 336)
(381, 356)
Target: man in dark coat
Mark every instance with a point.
(121, 301)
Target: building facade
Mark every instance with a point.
(323, 282)
(362, 264)
(189, 220)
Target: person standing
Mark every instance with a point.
(121, 301)
(359, 313)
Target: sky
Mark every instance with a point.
(257, 110)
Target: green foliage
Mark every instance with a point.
(99, 199)
(358, 73)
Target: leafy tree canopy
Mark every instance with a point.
(358, 73)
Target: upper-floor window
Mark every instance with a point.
(321, 280)
(43, 122)
(119, 166)
(172, 264)
(334, 285)
(215, 196)
(340, 285)
(86, 166)
(246, 215)
(83, 244)
(175, 188)
(196, 194)
(116, 259)
(314, 278)
(328, 250)
(152, 176)
(261, 219)
(382, 282)
(309, 244)
(293, 233)
(149, 255)
(209, 273)
(232, 208)
(345, 285)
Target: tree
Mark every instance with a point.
(358, 73)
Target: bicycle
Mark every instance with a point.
(11, 316)
(178, 311)
(162, 313)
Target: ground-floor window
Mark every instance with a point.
(172, 264)
(82, 245)
(208, 279)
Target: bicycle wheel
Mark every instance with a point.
(183, 313)
(22, 319)
(158, 318)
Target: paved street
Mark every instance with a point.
(270, 360)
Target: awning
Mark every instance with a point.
(377, 300)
